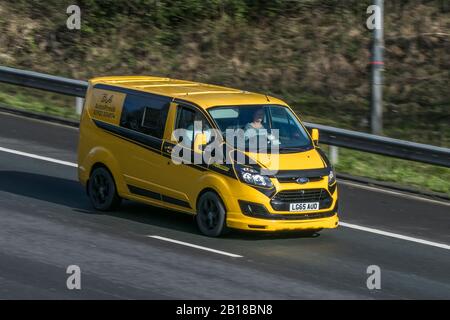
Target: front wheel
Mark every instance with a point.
(211, 215)
(102, 190)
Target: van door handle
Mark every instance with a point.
(168, 149)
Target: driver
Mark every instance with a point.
(255, 127)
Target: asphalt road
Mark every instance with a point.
(47, 224)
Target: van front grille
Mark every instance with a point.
(302, 195)
(294, 179)
(282, 199)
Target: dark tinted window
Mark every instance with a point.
(146, 114)
(151, 118)
(185, 121)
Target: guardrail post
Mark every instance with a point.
(79, 105)
(334, 155)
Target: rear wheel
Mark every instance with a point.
(102, 190)
(211, 215)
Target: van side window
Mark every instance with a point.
(146, 114)
(151, 118)
(185, 120)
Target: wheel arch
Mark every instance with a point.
(101, 157)
(210, 189)
(216, 184)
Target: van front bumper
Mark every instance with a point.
(282, 225)
(249, 208)
(282, 222)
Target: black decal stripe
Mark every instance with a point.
(152, 144)
(202, 166)
(229, 173)
(136, 143)
(237, 155)
(157, 196)
(133, 136)
(144, 192)
(177, 202)
(267, 192)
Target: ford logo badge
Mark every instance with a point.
(302, 180)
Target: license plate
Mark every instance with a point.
(305, 206)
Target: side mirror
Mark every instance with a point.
(199, 142)
(315, 136)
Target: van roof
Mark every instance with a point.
(204, 95)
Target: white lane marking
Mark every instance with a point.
(187, 244)
(395, 235)
(344, 224)
(35, 156)
(397, 193)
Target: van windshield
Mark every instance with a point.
(274, 125)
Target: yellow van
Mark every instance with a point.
(146, 139)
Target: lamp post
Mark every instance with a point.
(377, 63)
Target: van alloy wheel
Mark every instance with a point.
(102, 190)
(211, 215)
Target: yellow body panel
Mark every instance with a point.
(146, 168)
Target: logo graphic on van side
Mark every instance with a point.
(107, 106)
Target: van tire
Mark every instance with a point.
(211, 215)
(102, 190)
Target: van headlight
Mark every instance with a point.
(251, 176)
(331, 177)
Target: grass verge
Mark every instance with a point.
(38, 101)
(401, 172)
